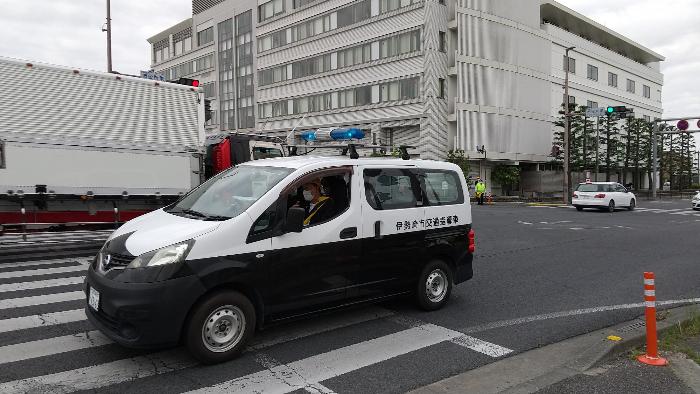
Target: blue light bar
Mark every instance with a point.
(347, 134)
(308, 136)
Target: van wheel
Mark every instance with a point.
(611, 206)
(633, 204)
(579, 208)
(220, 326)
(434, 286)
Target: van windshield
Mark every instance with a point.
(229, 193)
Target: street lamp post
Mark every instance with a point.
(567, 119)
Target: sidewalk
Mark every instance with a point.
(591, 363)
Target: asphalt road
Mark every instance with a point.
(542, 274)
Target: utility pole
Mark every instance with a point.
(108, 29)
(567, 119)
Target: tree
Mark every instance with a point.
(506, 176)
(458, 157)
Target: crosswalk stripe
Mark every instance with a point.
(41, 299)
(40, 284)
(476, 344)
(51, 346)
(315, 369)
(45, 319)
(42, 271)
(81, 260)
(101, 375)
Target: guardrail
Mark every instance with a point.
(24, 229)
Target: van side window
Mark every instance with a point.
(387, 189)
(263, 225)
(443, 187)
(332, 200)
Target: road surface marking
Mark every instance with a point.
(41, 262)
(40, 284)
(476, 344)
(334, 363)
(41, 299)
(51, 346)
(42, 271)
(575, 312)
(42, 320)
(102, 375)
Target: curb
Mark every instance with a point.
(536, 369)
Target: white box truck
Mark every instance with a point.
(80, 145)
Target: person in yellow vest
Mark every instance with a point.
(321, 208)
(480, 191)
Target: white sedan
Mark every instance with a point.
(695, 202)
(603, 195)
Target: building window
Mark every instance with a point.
(442, 93)
(244, 67)
(205, 36)
(160, 50)
(182, 41)
(647, 118)
(630, 86)
(442, 46)
(2, 155)
(612, 80)
(301, 3)
(572, 64)
(572, 101)
(355, 13)
(647, 91)
(591, 104)
(404, 89)
(227, 94)
(592, 72)
(270, 10)
(397, 45)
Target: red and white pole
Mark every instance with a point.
(652, 355)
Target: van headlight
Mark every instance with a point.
(168, 255)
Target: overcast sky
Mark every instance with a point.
(67, 32)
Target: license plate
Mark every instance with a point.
(94, 299)
(585, 197)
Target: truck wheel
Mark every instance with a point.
(611, 206)
(434, 286)
(220, 326)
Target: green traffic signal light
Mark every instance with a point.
(610, 110)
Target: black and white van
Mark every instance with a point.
(240, 252)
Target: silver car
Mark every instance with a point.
(695, 201)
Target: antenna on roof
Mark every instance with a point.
(294, 129)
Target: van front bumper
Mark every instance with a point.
(142, 315)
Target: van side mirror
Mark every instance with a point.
(295, 220)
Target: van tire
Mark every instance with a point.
(440, 276)
(228, 312)
(579, 208)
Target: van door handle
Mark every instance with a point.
(378, 230)
(350, 232)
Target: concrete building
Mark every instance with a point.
(435, 74)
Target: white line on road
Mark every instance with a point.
(81, 260)
(575, 312)
(51, 346)
(101, 375)
(41, 299)
(337, 362)
(45, 319)
(476, 344)
(42, 271)
(40, 284)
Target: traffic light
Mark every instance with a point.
(207, 109)
(189, 82)
(616, 110)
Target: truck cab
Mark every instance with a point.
(231, 149)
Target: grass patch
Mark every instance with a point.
(675, 338)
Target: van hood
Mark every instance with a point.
(158, 229)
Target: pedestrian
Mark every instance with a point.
(480, 191)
